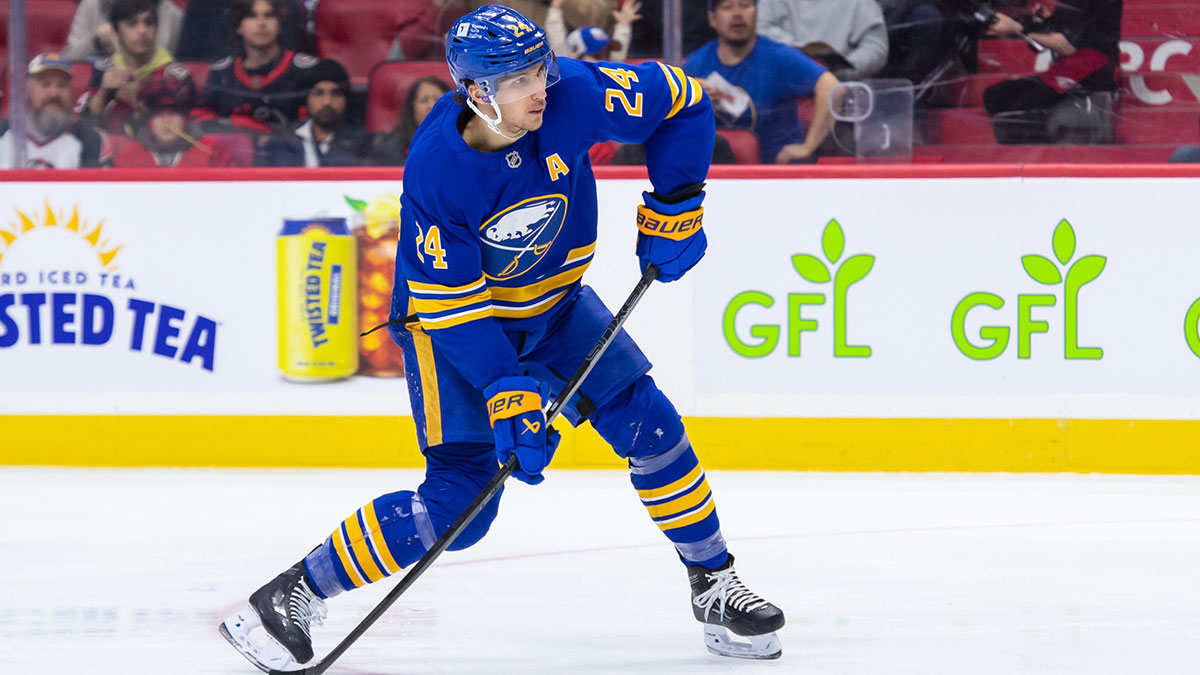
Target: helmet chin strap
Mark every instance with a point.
(491, 123)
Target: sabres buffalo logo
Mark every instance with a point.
(519, 236)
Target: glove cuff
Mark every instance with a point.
(512, 396)
(675, 227)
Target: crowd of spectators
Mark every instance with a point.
(266, 100)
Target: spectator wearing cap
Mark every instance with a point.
(55, 138)
(591, 43)
(93, 35)
(757, 83)
(848, 36)
(262, 89)
(112, 94)
(164, 136)
(327, 137)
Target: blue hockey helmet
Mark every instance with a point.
(491, 45)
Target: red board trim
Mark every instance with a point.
(630, 172)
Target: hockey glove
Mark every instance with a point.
(519, 425)
(669, 234)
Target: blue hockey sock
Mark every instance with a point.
(675, 491)
(378, 540)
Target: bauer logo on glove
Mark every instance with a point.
(519, 426)
(678, 227)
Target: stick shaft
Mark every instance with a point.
(489, 491)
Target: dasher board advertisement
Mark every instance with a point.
(158, 298)
(998, 298)
(988, 297)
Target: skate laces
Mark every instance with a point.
(730, 592)
(304, 608)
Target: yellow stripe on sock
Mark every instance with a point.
(339, 545)
(681, 504)
(667, 490)
(376, 534)
(358, 545)
(690, 519)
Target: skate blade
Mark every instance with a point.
(721, 642)
(243, 629)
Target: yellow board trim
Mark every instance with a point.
(358, 544)
(788, 444)
(681, 504)
(377, 539)
(689, 520)
(429, 386)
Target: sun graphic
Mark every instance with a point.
(105, 252)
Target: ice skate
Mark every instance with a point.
(737, 622)
(273, 630)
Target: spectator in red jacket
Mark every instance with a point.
(164, 138)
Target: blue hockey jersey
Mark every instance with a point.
(491, 243)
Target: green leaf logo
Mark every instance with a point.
(811, 268)
(1064, 243)
(356, 204)
(1042, 269)
(833, 241)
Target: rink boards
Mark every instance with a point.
(945, 318)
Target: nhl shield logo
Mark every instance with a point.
(514, 159)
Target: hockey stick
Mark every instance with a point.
(489, 491)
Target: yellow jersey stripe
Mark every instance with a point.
(697, 92)
(438, 289)
(376, 534)
(434, 306)
(358, 545)
(671, 82)
(533, 291)
(681, 504)
(451, 320)
(429, 386)
(528, 310)
(672, 489)
(690, 519)
(681, 97)
(577, 254)
(339, 545)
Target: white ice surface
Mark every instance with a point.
(129, 571)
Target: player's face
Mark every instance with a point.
(260, 29)
(523, 97)
(49, 91)
(137, 33)
(423, 101)
(326, 103)
(734, 20)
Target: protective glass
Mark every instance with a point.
(518, 85)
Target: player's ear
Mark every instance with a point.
(476, 93)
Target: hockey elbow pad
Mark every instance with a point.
(669, 231)
(514, 406)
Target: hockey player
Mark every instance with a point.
(497, 227)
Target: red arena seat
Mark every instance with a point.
(743, 143)
(388, 85)
(360, 33)
(48, 23)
